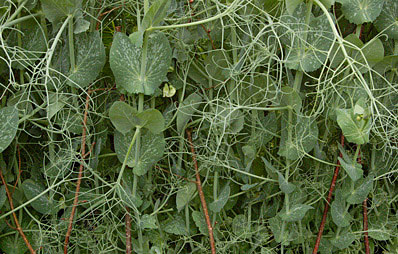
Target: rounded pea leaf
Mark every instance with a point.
(200, 222)
(151, 150)
(123, 116)
(388, 19)
(284, 185)
(9, 126)
(43, 204)
(339, 215)
(125, 192)
(152, 120)
(186, 110)
(343, 240)
(90, 59)
(361, 11)
(126, 59)
(176, 226)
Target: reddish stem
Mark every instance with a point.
(79, 177)
(328, 200)
(365, 225)
(201, 194)
(19, 229)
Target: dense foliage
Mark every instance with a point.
(198, 126)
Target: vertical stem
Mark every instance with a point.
(365, 225)
(201, 194)
(128, 231)
(328, 200)
(71, 44)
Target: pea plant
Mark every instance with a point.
(198, 126)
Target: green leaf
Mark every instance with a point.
(151, 119)
(123, 116)
(148, 222)
(228, 119)
(186, 110)
(239, 225)
(9, 126)
(216, 65)
(356, 131)
(275, 224)
(218, 204)
(90, 59)
(359, 194)
(291, 5)
(176, 226)
(343, 240)
(44, 204)
(81, 25)
(327, 3)
(352, 168)
(361, 11)
(284, 185)
(33, 44)
(306, 46)
(12, 245)
(200, 222)
(152, 147)
(184, 195)
(304, 136)
(125, 191)
(126, 60)
(295, 213)
(3, 196)
(55, 10)
(388, 19)
(339, 215)
(156, 13)
(290, 97)
(57, 102)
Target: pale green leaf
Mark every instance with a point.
(359, 194)
(151, 119)
(156, 13)
(200, 222)
(43, 204)
(388, 19)
(356, 131)
(291, 5)
(184, 195)
(148, 221)
(361, 11)
(176, 226)
(284, 185)
(55, 10)
(186, 110)
(343, 240)
(90, 59)
(9, 126)
(126, 59)
(218, 204)
(123, 116)
(338, 210)
(295, 213)
(3, 196)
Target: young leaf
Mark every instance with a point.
(151, 119)
(156, 13)
(44, 204)
(388, 19)
(186, 110)
(90, 59)
(359, 194)
(295, 213)
(361, 11)
(218, 204)
(123, 116)
(352, 168)
(126, 60)
(9, 126)
(356, 131)
(184, 195)
(284, 185)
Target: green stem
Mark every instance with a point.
(71, 45)
(17, 11)
(136, 133)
